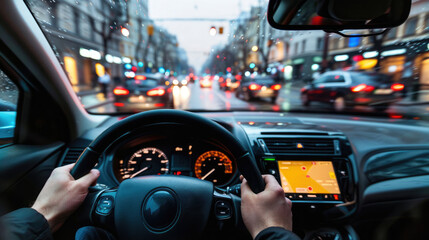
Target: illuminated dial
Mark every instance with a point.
(146, 161)
(214, 166)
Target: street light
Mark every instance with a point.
(255, 48)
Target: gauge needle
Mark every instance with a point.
(211, 171)
(142, 170)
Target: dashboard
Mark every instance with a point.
(328, 166)
(158, 155)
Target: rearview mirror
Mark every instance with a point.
(337, 15)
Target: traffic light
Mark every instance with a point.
(150, 30)
(125, 32)
(213, 31)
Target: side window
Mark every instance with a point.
(8, 103)
(322, 79)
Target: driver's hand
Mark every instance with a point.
(269, 208)
(62, 195)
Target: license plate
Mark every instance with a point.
(137, 99)
(383, 91)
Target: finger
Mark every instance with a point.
(67, 167)
(245, 188)
(88, 179)
(241, 178)
(270, 181)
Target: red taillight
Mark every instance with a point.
(276, 87)
(120, 91)
(397, 87)
(140, 77)
(156, 92)
(254, 87)
(362, 88)
(118, 104)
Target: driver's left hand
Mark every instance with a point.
(62, 195)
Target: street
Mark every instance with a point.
(192, 97)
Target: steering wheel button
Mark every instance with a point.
(105, 205)
(222, 210)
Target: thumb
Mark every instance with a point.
(89, 178)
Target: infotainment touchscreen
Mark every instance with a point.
(308, 177)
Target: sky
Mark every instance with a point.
(194, 35)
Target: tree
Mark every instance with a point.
(112, 19)
(377, 40)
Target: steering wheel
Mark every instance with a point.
(169, 206)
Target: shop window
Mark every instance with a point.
(8, 103)
(319, 43)
(410, 27)
(303, 46)
(354, 42)
(427, 23)
(99, 69)
(392, 34)
(71, 69)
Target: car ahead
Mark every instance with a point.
(229, 83)
(206, 82)
(346, 89)
(143, 92)
(258, 87)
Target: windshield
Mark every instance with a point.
(222, 55)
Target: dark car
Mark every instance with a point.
(348, 89)
(143, 92)
(258, 87)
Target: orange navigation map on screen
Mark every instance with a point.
(308, 177)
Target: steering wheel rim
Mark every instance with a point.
(136, 194)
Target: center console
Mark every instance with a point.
(316, 169)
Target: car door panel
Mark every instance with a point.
(23, 171)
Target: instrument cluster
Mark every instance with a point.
(195, 158)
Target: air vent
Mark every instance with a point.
(71, 156)
(296, 133)
(301, 146)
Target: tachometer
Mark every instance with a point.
(214, 166)
(146, 161)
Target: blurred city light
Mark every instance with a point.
(252, 65)
(126, 60)
(128, 66)
(315, 67)
(371, 54)
(213, 31)
(340, 58)
(125, 32)
(255, 48)
(140, 64)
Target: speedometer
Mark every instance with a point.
(214, 166)
(146, 161)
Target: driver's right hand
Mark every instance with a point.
(269, 208)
